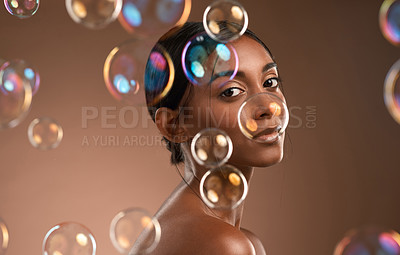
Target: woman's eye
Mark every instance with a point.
(231, 92)
(272, 82)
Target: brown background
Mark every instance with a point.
(341, 174)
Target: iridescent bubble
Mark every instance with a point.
(211, 147)
(263, 117)
(25, 71)
(4, 237)
(159, 75)
(389, 19)
(369, 240)
(153, 17)
(124, 71)
(204, 60)
(69, 238)
(22, 8)
(391, 91)
(15, 97)
(94, 14)
(225, 20)
(45, 133)
(135, 231)
(223, 187)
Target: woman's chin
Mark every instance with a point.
(260, 161)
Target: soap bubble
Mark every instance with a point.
(25, 71)
(389, 19)
(159, 75)
(369, 240)
(124, 71)
(4, 237)
(45, 133)
(69, 238)
(211, 147)
(391, 91)
(263, 117)
(223, 187)
(15, 97)
(94, 14)
(204, 60)
(225, 20)
(22, 8)
(153, 16)
(132, 225)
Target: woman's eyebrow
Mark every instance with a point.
(240, 73)
(269, 66)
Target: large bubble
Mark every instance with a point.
(369, 240)
(94, 14)
(4, 237)
(124, 71)
(223, 187)
(69, 238)
(204, 60)
(391, 91)
(134, 225)
(45, 133)
(159, 75)
(211, 147)
(263, 117)
(150, 17)
(22, 8)
(15, 97)
(389, 19)
(225, 20)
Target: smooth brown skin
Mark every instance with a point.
(188, 225)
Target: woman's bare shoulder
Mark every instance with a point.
(258, 246)
(202, 235)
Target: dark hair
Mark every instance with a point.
(174, 42)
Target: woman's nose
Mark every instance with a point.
(267, 110)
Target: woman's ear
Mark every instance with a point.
(167, 121)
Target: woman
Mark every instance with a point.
(188, 225)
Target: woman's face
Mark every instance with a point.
(220, 103)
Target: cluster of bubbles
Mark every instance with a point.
(19, 82)
(124, 68)
(127, 227)
(389, 19)
(208, 57)
(72, 238)
(369, 240)
(22, 8)
(134, 225)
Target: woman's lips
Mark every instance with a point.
(268, 138)
(269, 135)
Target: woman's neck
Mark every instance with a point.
(193, 175)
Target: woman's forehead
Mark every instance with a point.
(252, 55)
